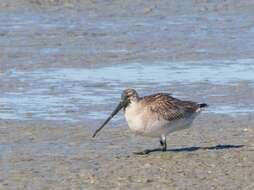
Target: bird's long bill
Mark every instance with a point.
(117, 109)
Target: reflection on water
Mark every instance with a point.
(77, 94)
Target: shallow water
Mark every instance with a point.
(48, 57)
(77, 94)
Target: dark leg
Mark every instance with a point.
(163, 143)
(163, 149)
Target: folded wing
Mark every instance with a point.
(168, 107)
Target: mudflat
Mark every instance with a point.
(215, 154)
(63, 65)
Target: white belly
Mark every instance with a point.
(145, 124)
(134, 120)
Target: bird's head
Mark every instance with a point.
(128, 96)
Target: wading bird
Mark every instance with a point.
(156, 115)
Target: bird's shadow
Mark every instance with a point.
(193, 148)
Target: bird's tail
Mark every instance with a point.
(203, 105)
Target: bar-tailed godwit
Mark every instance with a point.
(156, 115)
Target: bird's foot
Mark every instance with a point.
(144, 152)
(147, 151)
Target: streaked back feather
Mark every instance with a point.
(168, 107)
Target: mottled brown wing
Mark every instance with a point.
(169, 108)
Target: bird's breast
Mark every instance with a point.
(134, 117)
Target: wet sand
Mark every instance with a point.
(46, 105)
(215, 154)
